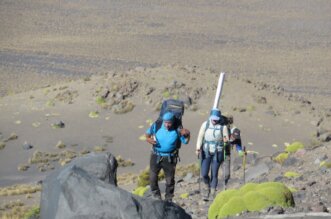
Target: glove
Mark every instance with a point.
(184, 132)
(241, 153)
(150, 140)
(197, 152)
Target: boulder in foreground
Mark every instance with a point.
(72, 192)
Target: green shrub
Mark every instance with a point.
(100, 101)
(2, 145)
(143, 178)
(33, 212)
(94, 114)
(50, 103)
(166, 94)
(140, 191)
(280, 158)
(184, 195)
(326, 164)
(291, 174)
(251, 197)
(294, 147)
(250, 108)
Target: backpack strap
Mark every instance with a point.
(206, 128)
(156, 127)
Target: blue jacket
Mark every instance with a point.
(166, 139)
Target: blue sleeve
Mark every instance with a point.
(183, 139)
(151, 130)
(238, 145)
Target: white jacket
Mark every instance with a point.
(211, 136)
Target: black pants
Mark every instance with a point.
(169, 168)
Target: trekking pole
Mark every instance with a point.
(199, 172)
(224, 157)
(244, 164)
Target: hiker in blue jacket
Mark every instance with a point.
(165, 141)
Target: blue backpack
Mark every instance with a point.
(177, 108)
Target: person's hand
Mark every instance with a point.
(241, 153)
(184, 132)
(150, 140)
(197, 152)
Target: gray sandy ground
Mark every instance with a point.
(278, 50)
(266, 127)
(282, 43)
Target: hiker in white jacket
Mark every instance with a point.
(212, 148)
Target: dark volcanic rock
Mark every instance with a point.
(76, 191)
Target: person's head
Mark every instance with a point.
(168, 120)
(215, 116)
(235, 134)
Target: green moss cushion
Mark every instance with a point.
(232, 207)
(256, 201)
(294, 147)
(221, 199)
(251, 197)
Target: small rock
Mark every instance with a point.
(59, 124)
(278, 178)
(290, 161)
(256, 171)
(150, 90)
(187, 100)
(324, 157)
(326, 137)
(188, 177)
(300, 195)
(323, 170)
(60, 145)
(23, 167)
(12, 136)
(300, 152)
(27, 146)
(260, 99)
(320, 131)
(311, 183)
(276, 210)
(242, 110)
(271, 113)
(251, 157)
(317, 161)
(319, 207)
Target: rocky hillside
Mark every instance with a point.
(47, 128)
(306, 172)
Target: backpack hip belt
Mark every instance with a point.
(218, 145)
(171, 156)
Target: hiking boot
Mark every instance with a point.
(213, 193)
(156, 196)
(205, 192)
